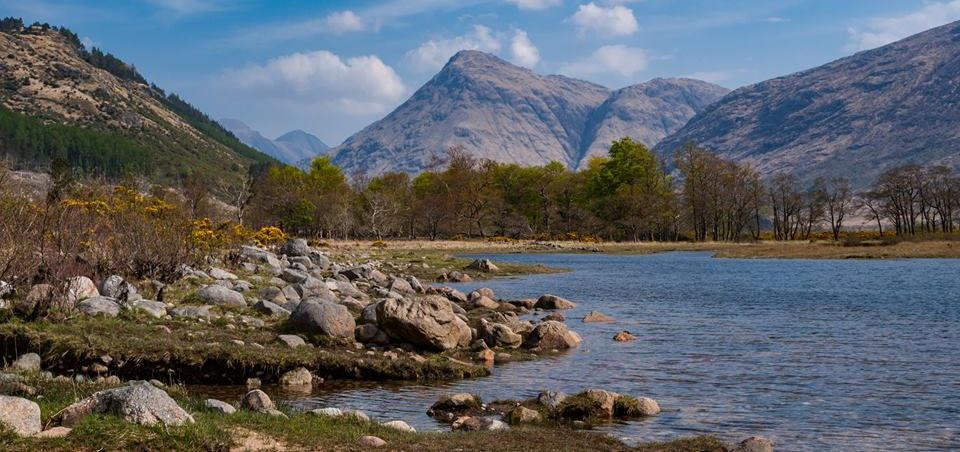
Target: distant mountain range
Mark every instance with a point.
(854, 117)
(59, 99)
(292, 147)
(495, 110)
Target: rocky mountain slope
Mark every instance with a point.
(495, 110)
(291, 148)
(853, 117)
(59, 100)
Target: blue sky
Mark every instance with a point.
(332, 67)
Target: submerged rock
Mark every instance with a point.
(754, 444)
(624, 336)
(484, 265)
(597, 317)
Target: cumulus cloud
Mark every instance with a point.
(535, 4)
(433, 54)
(615, 20)
(880, 31)
(522, 50)
(359, 85)
(343, 21)
(613, 59)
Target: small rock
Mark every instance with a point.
(356, 414)
(399, 425)
(298, 378)
(27, 362)
(194, 312)
(597, 317)
(523, 415)
(253, 383)
(478, 423)
(219, 273)
(98, 305)
(291, 340)
(327, 412)
(552, 302)
(295, 248)
(371, 441)
(551, 399)
(624, 336)
(54, 432)
(219, 406)
(551, 335)
(755, 444)
(271, 309)
(484, 265)
(556, 317)
(154, 308)
(81, 287)
(257, 400)
(221, 296)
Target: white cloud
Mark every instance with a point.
(535, 4)
(522, 51)
(613, 59)
(433, 54)
(343, 21)
(187, 7)
(880, 31)
(613, 21)
(359, 85)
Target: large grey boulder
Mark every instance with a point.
(258, 401)
(262, 256)
(221, 296)
(154, 308)
(320, 260)
(219, 273)
(551, 335)
(139, 402)
(498, 335)
(315, 288)
(28, 361)
(79, 288)
(20, 415)
(99, 305)
(400, 286)
(427, 321)
(369, 333)
(117, 288)
(295, 247)
(321, 317)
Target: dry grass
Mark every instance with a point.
(764, 249)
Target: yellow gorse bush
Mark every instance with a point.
(270, 235)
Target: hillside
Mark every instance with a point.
(495, 110)
(291, 148)
(853, 117)
(60, 100)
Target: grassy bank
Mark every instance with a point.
(300, 431)
(891, 249)
(205, 353)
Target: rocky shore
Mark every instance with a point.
(295, 316)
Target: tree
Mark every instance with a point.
(839, 201)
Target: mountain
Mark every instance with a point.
(292, 147)
(854, 117)
(495, 110)
(647, 112)
(60, 100)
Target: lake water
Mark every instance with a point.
(815, 354)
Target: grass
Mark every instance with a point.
(216, 432)
(889, 248)
(202, 353)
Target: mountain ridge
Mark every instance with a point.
(492, 109)
(292, 147)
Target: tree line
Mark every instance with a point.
(628, 195)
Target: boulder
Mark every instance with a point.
(270, 309)
(326, 412)
(54, 432)
(371, 441)
(219, 273)
(29, 362)
(273, 294)
(415, 284)
(369, 313)
(754, 444)
(139, 402)
(483, 302)
(551, 335)
(193, 312)
(325, 318)
(498, 335)
(20, 415)
(154, 308)
(99, 305)
(291, 340)
(258, 401)
(452, 294)
(400, 286)
(523, 415)
(455, 403)
(627, 406)
(478, 423)
(399, 425)
(262, 256)
(219, 406)
(297, 378)
(38, 294)
(553, 302)
(484, 265)
(293, 276)
(551, 399)
(79, 288)
(456, 276)
(315, 288)
(320, 260)
(597, 317)
(221, 296)
(482, 292)
(117, 288)
(356, 415)
(369, 333)
(295, 247)
(427, 321)
(555, 316)
(590, 404)
(624, 336)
